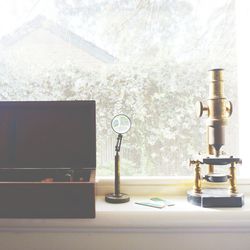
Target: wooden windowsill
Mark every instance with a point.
(130, 217)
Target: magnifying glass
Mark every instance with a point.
(121, 124)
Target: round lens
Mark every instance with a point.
(121, 124)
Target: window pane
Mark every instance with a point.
(148, 59)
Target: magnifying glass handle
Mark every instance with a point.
(117, 196)
(118, 143)
(117, 174)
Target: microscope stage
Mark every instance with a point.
(220, 160)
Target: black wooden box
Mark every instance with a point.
(47, 159)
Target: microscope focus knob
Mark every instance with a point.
(200, 108)
(229, 108)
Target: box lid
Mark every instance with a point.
(54, 134)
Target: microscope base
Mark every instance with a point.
(215, 197)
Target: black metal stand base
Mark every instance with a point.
(213, 197)
(113, 198)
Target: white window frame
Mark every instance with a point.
(178, 185)
(243, 53)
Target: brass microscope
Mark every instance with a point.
(218, 109)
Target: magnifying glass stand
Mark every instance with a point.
(117, 197)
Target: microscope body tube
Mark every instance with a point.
(219, 109)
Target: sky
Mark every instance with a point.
(125, 29)
(13, 13)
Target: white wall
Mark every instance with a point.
(125, 241)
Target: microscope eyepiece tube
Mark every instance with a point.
(217, 110)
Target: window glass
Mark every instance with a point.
(148, 59)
